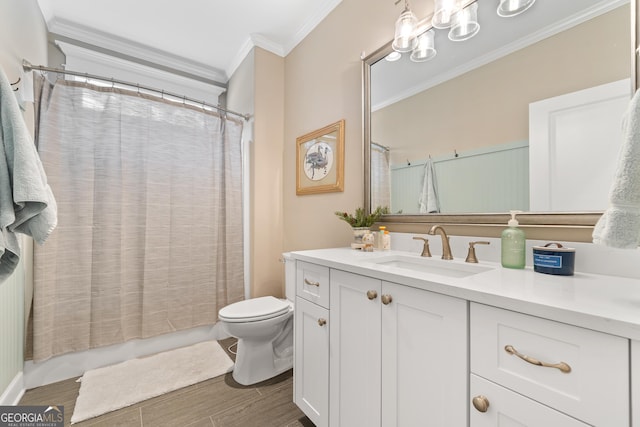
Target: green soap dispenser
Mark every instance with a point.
(513, 244)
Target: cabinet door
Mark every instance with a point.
(509, 409)
(424, 358)
(635, 383)
(354, 359)
(311, 367)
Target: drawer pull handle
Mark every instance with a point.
(481, 403)
(372, 294)
(322, 321)
(563, 367)
(386, 299)
(311, 283)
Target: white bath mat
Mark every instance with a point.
(113, 387)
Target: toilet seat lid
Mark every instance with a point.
(254, 309)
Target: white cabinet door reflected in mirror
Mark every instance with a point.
(574, 141)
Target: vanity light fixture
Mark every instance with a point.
(465, 24)
(509, 8)
(444, 10)
(405, 39)
(393, 56)
(460, 16)
(426, 48)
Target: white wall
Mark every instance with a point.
(22, 36)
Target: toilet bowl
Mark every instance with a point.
(264, 329)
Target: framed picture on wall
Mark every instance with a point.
(320, 157)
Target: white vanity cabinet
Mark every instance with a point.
(501, 347)
(311, 342)
(398, 355)
(635, 383)
(540, 372)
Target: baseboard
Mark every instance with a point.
(14, 391)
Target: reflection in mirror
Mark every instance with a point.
(468, 110)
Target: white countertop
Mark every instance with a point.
(603, 303)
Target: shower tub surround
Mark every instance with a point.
(466, 350)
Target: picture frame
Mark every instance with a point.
(320, 160)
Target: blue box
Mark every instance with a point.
(554, 260)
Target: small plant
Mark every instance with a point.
(360, 219)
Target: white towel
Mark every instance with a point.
(428, 199)
(619, 226)
(27, 204)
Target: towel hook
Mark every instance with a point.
(16, 82)
(455, 153)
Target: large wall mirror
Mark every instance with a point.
(479, 124)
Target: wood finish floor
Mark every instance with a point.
(218, 402)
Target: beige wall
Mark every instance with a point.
(257, 88)
(590, 54)
(323, 84)
(266, 165)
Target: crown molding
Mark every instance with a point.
(132, 49)
(326, 7)
(257, 40)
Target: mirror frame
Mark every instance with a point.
(569, 226)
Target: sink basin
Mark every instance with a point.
(430, 265)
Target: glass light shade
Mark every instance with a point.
(426, 49)
(404, 39)
(393, 56)
(443, 13)
(509, 8)
(465, 24)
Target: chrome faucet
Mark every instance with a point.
(446, 249)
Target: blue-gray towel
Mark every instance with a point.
(27, 204)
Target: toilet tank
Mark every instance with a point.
(289, 276)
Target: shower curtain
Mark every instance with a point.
(380, 177)
(149, 238)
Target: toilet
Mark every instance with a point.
(264, 329)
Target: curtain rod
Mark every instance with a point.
(381, 146)
(27, 66)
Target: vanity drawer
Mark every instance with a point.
(312, 283)
(596, 387)
(506, 407)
